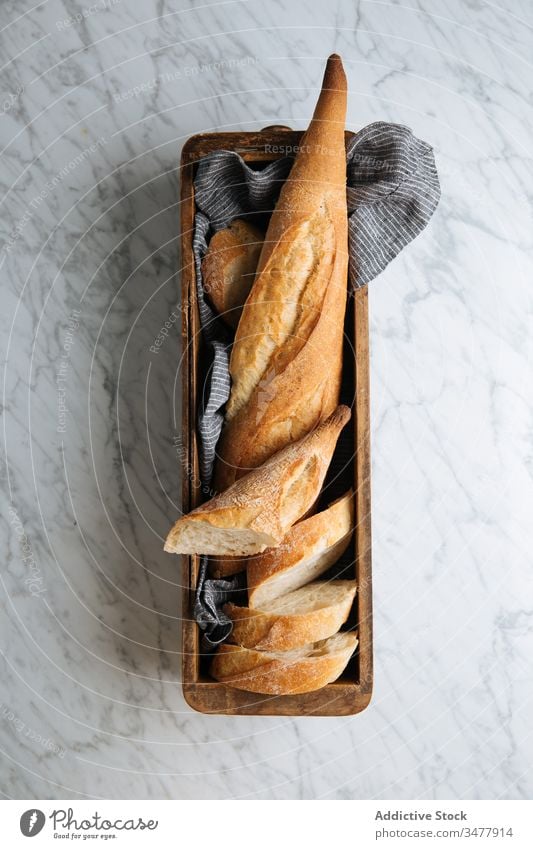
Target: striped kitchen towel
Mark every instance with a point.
(392, 191)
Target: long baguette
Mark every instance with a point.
(259, 509)
(287, 355)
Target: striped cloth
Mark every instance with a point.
(392, 192)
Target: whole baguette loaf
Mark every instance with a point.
(287, 354)
(307, 615)
(229, 266)
(309, 548)
(284, 673)
(258, 510)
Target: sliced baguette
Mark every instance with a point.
(312, 613)
(321, 540)
(286, 360)
(259, 509)
(284, 673)
(228, 268)
(308, 549)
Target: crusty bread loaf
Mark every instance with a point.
(259, 509)
(312, 613)
(309, 548)
(228, 268)
(287, 355)
(284, 673)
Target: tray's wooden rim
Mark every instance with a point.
(343, 697)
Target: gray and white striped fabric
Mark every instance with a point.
(392, 192)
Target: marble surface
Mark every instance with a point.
(97, 101)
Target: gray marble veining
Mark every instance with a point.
(96, 103)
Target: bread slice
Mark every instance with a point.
(320, 540)
(307, 615)
(284, 673)
(259, 509)
(287, 355)
(308, 549)
(228, 268)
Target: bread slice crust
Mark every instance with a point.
(258, 510)
(284, 673)
(308, 615)
(308, 549)
(228, 268)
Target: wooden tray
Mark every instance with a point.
(351, 693)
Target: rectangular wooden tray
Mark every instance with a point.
(352, 692)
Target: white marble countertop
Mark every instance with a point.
(97, 102)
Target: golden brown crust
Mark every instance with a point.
(287, 355)
(228, 268)
(279, 674)
(330, 529)
(281, 631)
(258, 510)
(326, 534)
